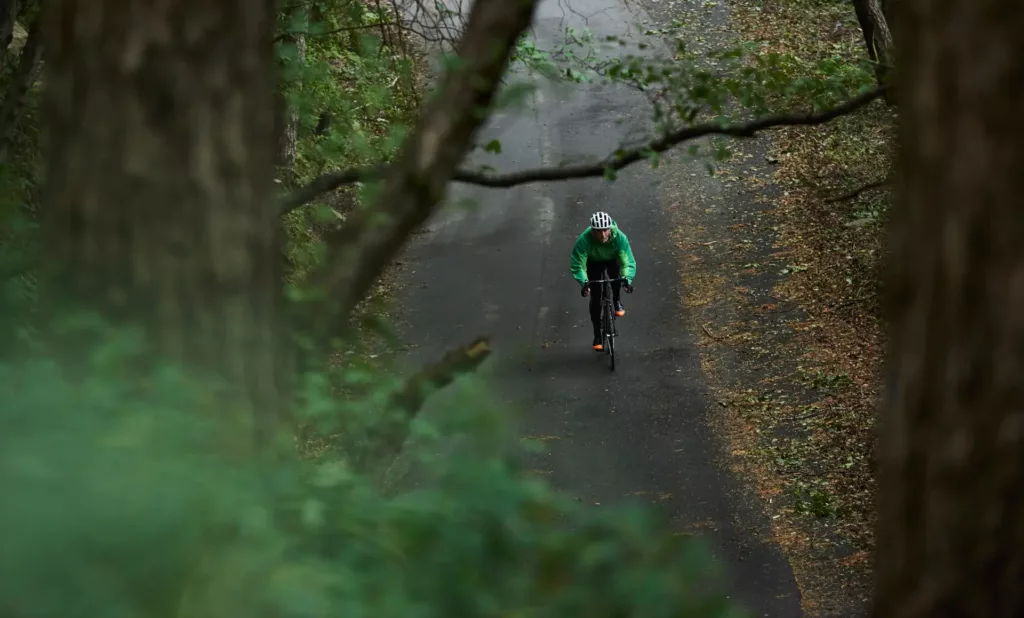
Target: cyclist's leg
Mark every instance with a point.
(613, 272)
(595, 271)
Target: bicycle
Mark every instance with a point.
(608, 330)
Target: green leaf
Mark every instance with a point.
(493, 146)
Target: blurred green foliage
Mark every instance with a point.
(121, 500)
(353, 92)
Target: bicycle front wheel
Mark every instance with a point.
(610, 336)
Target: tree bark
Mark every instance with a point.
(21, 82)
(867, 26)
(8, 16)
(290, 131)
(951, 512)
(878, 39)
(158, 209)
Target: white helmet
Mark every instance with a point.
(601, 221)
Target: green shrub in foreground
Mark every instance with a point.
(120, 501)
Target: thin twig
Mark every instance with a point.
(877, 184)
(710, 334)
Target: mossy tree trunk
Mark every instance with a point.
(159, 208)
(951, 515)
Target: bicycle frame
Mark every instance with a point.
(608, 330)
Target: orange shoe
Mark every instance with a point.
(619, 310)
(598, 344)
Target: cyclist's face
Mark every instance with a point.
(602, 235)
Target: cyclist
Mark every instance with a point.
(602, 247)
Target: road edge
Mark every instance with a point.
(732, 263)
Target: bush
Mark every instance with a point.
(123, 499)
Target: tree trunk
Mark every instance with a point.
(8, 16)
(877, 38)
(290, 117)
(21, 82)
(951, 514)
(161, 157)
(291, 131)
(887, 12)
(867, 26)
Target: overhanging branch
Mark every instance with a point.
(410, 398)
(454, 363)
(334, 180)
(327, 183)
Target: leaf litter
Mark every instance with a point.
(794, 359)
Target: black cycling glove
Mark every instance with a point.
(585, 290)
(629, 287)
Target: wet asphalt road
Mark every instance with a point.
(500, 268)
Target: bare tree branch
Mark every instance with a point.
(418, 387)
(849, 195)
(333, 180)
(327, 183)
(437, 375)
(414, 184)
(438, 23)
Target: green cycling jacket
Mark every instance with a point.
(586, 249)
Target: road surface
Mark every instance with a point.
(501, 268)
